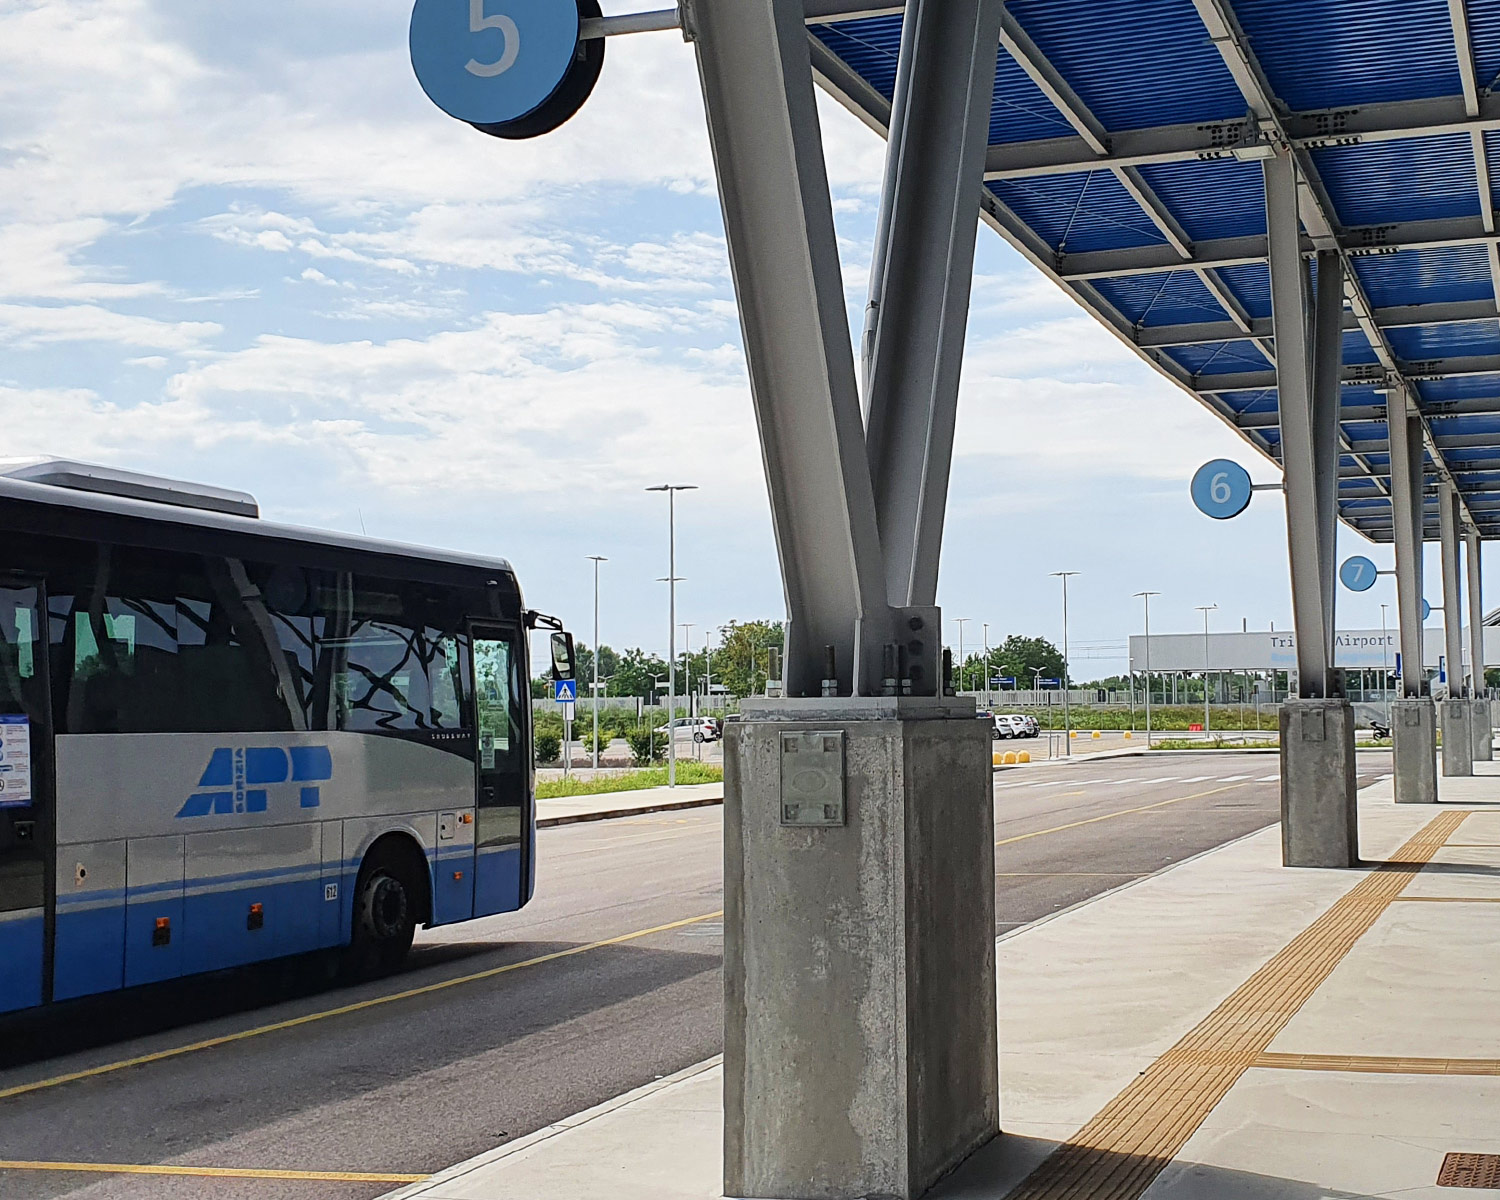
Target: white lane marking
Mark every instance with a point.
(1269, 779)
(1196, 778)
(1232, 778)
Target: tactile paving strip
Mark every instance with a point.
(1470, 1171)
(1118, 1154)
(1369, 1064)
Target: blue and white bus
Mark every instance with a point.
(223, 741)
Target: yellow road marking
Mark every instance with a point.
(344, 1009)
(211, 1172)
(1124, 812)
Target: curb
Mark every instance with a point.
(610, 814)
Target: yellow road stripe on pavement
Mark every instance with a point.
(344, 1009)
(1124, 812)
(211, 1172)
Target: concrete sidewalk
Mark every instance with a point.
(566, 810)
(1225, 1028)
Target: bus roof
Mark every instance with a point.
(197, 518)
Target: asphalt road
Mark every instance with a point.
(608, 979)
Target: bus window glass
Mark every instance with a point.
(447, 684)
(492, 693)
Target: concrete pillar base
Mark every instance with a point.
(1458, 729)
(1483, 746)
(1414, 738)
(859, 946)
(1319, 827)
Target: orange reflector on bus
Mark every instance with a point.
(458, 874)
(162, 934)
(257, 917)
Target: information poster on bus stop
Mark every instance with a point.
(15, 761)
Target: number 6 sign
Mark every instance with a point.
(512, 68)
(1221, 489)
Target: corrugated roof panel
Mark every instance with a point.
(1135, 63)
(1459, 387)
(1261, 400)
(1079, 212)
(1219, 358)
(1484, 36)
(1217, 199)
(1326, 53)
(1462, 338)
(1251, 285)
(869, 46)
(1408, 180)
(1357, 348)
(1021, 112)
(1426, 276)
(1170, 298)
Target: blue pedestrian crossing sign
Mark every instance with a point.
(565, 691)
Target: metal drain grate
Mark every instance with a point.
(1470, 1171)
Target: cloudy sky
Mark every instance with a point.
(238, 244)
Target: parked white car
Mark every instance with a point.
(699, 729)
(1017, 724)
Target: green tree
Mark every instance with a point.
(740, 662)
(633, 674)
(1024, 656)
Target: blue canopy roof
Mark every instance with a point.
(1126, 139)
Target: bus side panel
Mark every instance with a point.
(153, 894)
(362, 833)
(21, 936)
(333, 912)
(89, 942)
(252, 894)
(453, 868)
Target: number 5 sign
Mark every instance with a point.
(512, 68)
(1221, 489)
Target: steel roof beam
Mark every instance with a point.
(1359, 373)
(1356, 241)
(1315, 208)
(1207, 141)
(1203, 333)
(823, 12)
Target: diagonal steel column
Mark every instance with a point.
(1453, 611)
(756, 74)
(1405, 430)
(1476, 615)
(921, 278)
(1307, 370)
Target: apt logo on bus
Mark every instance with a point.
(241, 778)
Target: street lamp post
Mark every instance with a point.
(596, 559)
(961, 622)
(1067, 673)
(1205, 609)
(1145, 597)
(988, 703)
(671, 490)
(1385, 670)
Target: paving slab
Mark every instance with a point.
(1098, 997)
(565, 810)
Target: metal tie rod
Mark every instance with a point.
(645, 22)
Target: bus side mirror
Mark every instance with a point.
(562, 656)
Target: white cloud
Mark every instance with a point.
(34, 325)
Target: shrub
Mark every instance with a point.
(548, 746)
(646, 746)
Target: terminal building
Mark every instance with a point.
(1265, 661)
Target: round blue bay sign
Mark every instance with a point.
(513, 68)
(1358, 574)
(1221, 489)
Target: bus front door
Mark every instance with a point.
(26, 819)
(502, 774)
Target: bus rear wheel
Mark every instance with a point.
(385, 915)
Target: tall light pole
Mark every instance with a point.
(1205, 609)
(961, 622)
(596, 559)
(687, 662)
(1385, 671)
(672, 489)
(987, 702)
(1067, 674)
(1145, 597)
